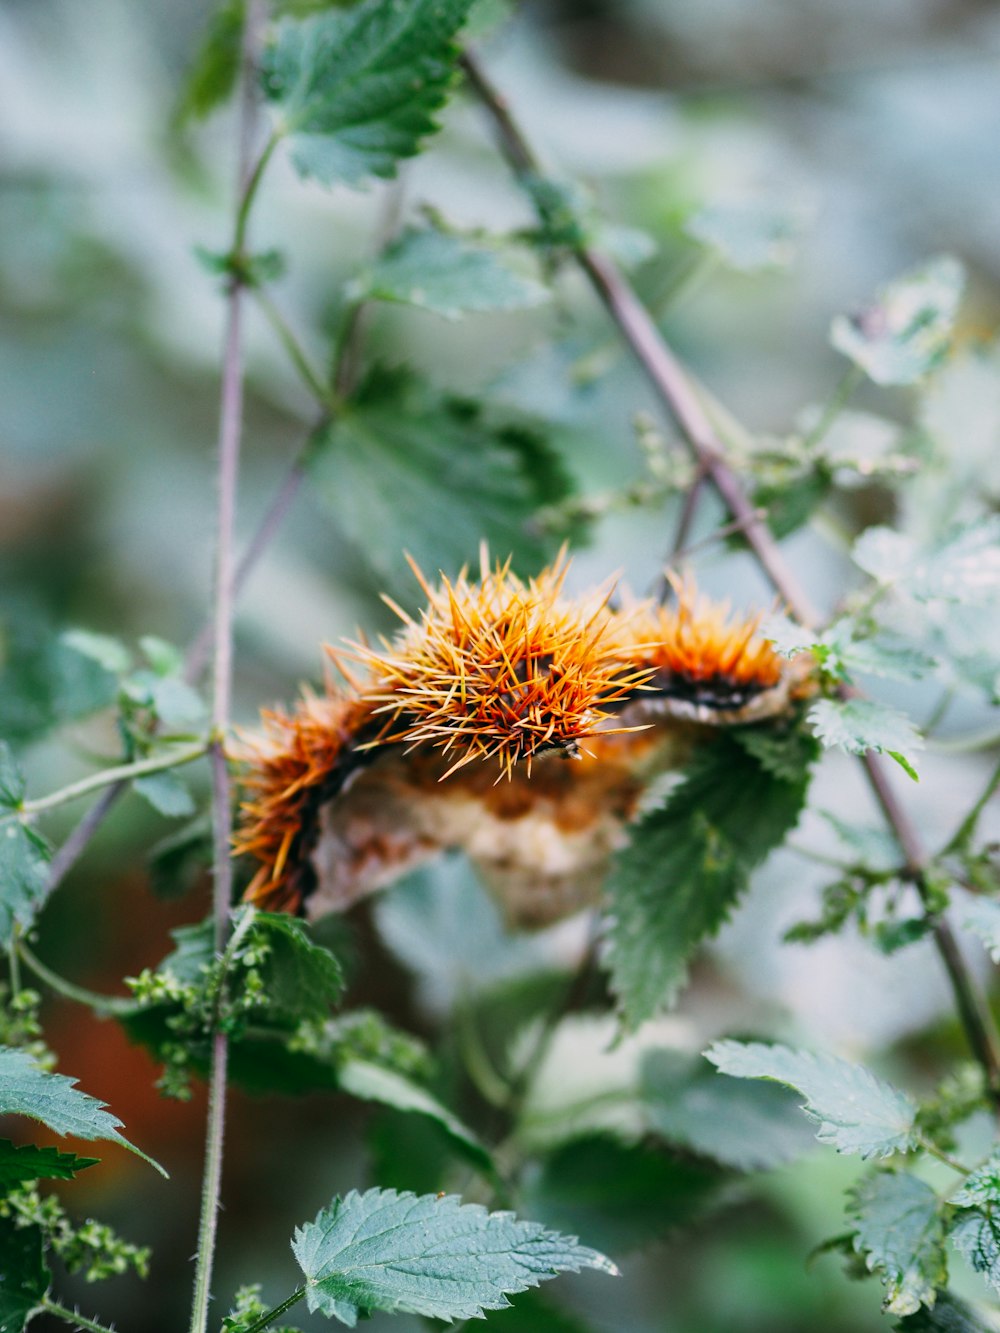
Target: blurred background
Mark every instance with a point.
(866, 134)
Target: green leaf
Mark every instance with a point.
(964, 567)
(12, 785)
(301, 979)
(376, 1083)
(357, 91)
(25, 1089)
(856, 1111)
(427, 1255)
(859, 725)
(448, 275)
(749, 234)
(29, 1162)
(749, 1126)
(906, 333)
(405, 468)
(166, 793)
(45, 680)
(949, 1314)
(686, 865)
(108, 652)
(621, 1196)
(975, 1230)
(982, 916)
(879, 657)
(24, 876)
(901, 1234)
(24, 1279)
(173, 701)
(212, 78)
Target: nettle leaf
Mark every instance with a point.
(975, 1230)
(376, 1083)
(749, 1126)
(982, 916)
(859, 725)
(906, 333)
(749, 234)
(949, 1314)
(879, 657)
(448, 275)
(301, 979)
(620, 1195)
(24, 876)
(686, 865)
(212, 78)
(166, 793)
(25, 1089)
(427, 1255)
(965, 567)
(29, 1162)
(405, 467)
(357, 90)
(856, 1111)
(24, 1278)
(901, 1234)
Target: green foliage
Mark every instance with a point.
(24, 1278)
(901, 1234)
(748, 235)
(213, 75)
(428, 1255)
(750, 1127)
(856, 1112)
(982, 916)
(860, 725)
(357, 91)
(89, 1247)
(962, 566)
(405, 468)
(45, 681)
(29, 1162)
(906, 333)
(25, 1089)
(24, 855)
(949, 1314)
(689, 861)
(975, 1229)
(247, 1309)
(448, 275)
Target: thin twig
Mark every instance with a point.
(673, 387)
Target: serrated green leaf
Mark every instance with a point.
(856, 1111)
(787, 637)
(748, 234)
(687, 863)
(357, 91)
(405, 468)
(24, 1278)
(901, 1234)
(212, 77)
(25, 1089)
(301, 979)
(166, 793)
(375, 1083)
(859, 725)
(44, 680)
(964, 567)
(975, 1233)
(427, 1255)
(24, 876)
(882, 657)
(749, 1126)
(950, 1314)
(782, 753)
(29, 1162)
(982, 916)
(448, 275)
(906, 333)
(621, 1196)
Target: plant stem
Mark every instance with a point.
(101, 1004)
(123, 773)
(962, 836)
(271, 1315)
(72, 1316)
(296, 354)
(672, 386)
(836, 403)
(942, 1156)
(230, 433)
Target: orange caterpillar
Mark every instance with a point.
(458, 732)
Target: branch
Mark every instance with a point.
(672, 386)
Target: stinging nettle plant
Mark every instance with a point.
(634, 759)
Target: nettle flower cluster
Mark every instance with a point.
(456, 735)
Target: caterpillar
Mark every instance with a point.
(511, 721)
